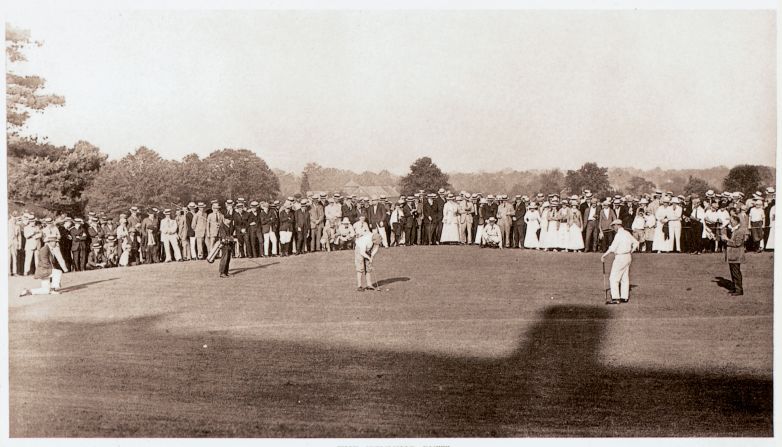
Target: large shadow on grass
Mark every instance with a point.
(136, 380)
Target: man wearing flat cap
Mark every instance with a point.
(622, 246)
(46, 271)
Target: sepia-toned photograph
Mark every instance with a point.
(407, 226)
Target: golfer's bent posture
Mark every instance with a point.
(623, 244)
(366, 248)
(45, 271)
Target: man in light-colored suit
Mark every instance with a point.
(213, 222)
(199, 225)
(317, 220)
(505, 212)
(465, 219)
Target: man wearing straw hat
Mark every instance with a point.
(622, 246)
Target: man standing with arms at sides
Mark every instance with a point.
(419, 218)
(463, 216)
(168, 236)
(240, 227)
(32, 242)
(134, 217)
(267, 223)
(696, 226)
(255, 238)
(45, 271)
(505, 215)
(191, 236)
(149, 228)
(519, 226)
(366, 247)
(213, 222)
(770, 203)
(183, 227)
(605, 234)
(430, 218)
(301, 218)
(377, 217)
(79, 245)
(410, 218)
(199, 226)
(317, 221)
(348, 209)
(757, 220)
(622, 246)
(590, 219)
(675, 224)
(439, 200)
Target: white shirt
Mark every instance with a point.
(675, 213)
(168, 226)
(756, 214)
(624, 243)
(592, 213)
(698, 213)
(364, 244)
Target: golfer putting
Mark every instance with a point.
(366, 247)
(622, 247)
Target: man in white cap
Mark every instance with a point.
(45, 271)
(622, 247)
(169, 237)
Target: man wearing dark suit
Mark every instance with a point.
(349, 210)
(440, 201)
(376, 215)
(301, 219)
(267, 229)
(430, 219)
(410, 215)
(519, 227)
(591, 216)
(491, 208)
(770, 202)
(607, 215)
(252, 220)
(79, 238)
(240, 227)
(629, 214)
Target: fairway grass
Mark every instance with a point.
(459, 342)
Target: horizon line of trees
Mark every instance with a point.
(79, 178)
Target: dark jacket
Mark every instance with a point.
(45, 263)
(735, 250)
(286, 219)
(377, 215)
(267, 219)
(301, 217)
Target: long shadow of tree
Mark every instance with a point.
(138, 380)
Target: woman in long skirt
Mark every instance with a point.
(552, 231)
(544, 213)
(532, 219)
(575, 224)
(564, 228)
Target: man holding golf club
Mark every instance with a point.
(622, 246)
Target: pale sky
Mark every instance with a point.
(475, 90)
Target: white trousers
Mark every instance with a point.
(12, 255)
(676, 234)
(193, 252)
(269, 238)
(170, 241)
(53, 281)
(30, 257)
(620, 277)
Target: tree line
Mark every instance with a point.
(81, 178)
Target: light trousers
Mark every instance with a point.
(170, 241)
(193, 251)
(53, 281)
(199, 247)
(269, 238)
(12, 255)
(676, 234)
(30, 256)
(620, 277)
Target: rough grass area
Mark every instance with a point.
(460, 342)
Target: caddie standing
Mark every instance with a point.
(622, 246)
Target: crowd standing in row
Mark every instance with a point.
(661, 222)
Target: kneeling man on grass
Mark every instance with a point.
(622, 246)
(367, 246)
(45, 271)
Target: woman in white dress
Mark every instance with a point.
(661, 243)
(450, 233)
(563, 237)
(772, 215)
(532, 219)
(552, 230)
(543, 238)
(575, 224)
